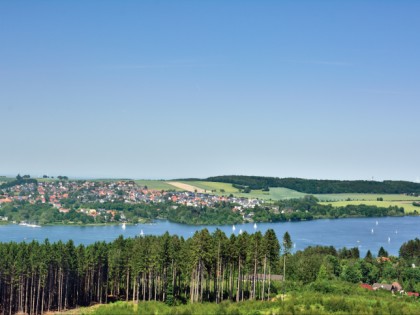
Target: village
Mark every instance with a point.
(64, 194)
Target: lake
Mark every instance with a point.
(365, 233)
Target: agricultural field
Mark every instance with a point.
(218, 188)
(157, 184)
(214, 187)
(4, 179)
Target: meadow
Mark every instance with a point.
(357, 301)
(156, 184)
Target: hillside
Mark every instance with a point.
(315, 186)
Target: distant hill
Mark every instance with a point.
(315, 186)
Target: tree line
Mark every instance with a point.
(315, 186)
(37, 278)
(42, 277)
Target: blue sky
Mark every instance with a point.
(170, 89)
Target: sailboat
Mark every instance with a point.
(233, 228)
(377, 222)
(123, 226)
(372, 231)
(389, 240)
(240, 231)
(255, 226)
(141, 233)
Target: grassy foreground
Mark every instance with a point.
(358, 302)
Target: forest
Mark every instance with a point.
(315, 186)
(42, 277)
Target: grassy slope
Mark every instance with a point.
(356, 302)
(156, 184)
(209, 186)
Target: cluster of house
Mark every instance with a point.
(394, 287)
(55, 192)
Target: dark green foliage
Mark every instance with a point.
(36, 278)
(314, 186)
(382, 252)
(410, 251)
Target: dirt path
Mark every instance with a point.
(186, 187)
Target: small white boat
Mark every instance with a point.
(389, 240)
(233, 228)
(240, 231)
(255, 226)
(396, 232)
(123, 226)
(372, 231)
(34, 225)
(377, 222)
(29, 225)
(141, 233)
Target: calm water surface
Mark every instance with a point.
(366, 233)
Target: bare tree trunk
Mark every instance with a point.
(263, 285)
(239, 281)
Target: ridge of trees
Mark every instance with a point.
(315, 186)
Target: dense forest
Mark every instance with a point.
(36, 278)
(314, 186)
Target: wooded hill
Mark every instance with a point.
(316, 186)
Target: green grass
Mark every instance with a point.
(5, 179)
(211, 186)
(354, 301)
(156, 184)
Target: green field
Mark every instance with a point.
(4, 179)
(213, 186)
(156, 184)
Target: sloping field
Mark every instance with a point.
(215, 187)
(157, 184)
(188, 187)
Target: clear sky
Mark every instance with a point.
(170, 89)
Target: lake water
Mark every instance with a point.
(366, 233)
